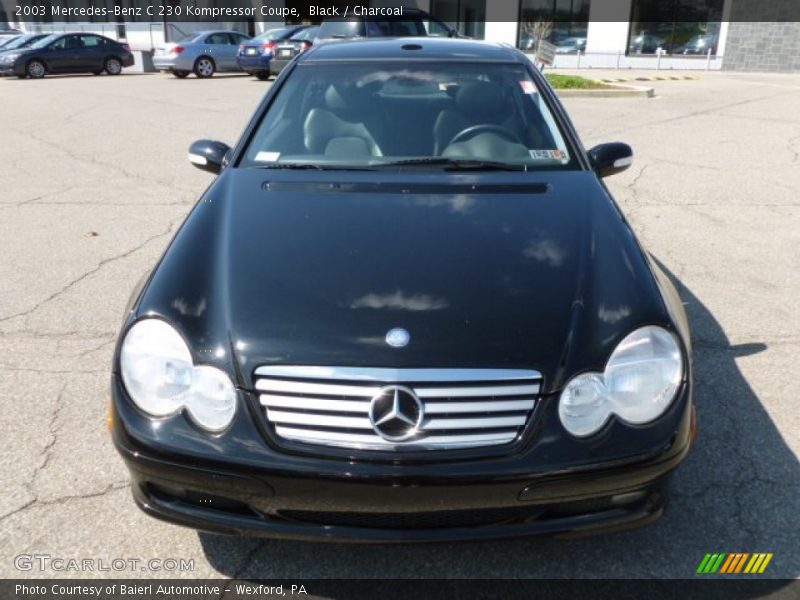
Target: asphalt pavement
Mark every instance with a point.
(95, 183)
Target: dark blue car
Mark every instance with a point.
(255, 55)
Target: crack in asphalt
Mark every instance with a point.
(90, 272)
(35, 502)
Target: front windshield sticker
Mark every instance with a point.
(265, 156)
(548, 154)
(527, 86)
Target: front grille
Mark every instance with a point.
(461, 408)
(422, 520)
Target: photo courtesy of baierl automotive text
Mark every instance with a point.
(474, 298)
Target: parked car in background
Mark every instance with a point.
(286, 51)
(570, 45)
(203, 53)
(698, 44)
(647, 43)
(7, 38)
(20, 42)
(255, 55)
(413, 23)
(67, 53)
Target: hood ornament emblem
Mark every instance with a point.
(398, 337)
(396, 413)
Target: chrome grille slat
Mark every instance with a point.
(432, 408)
(305, 403)
(477, 391)
(373, 442)
(326, 389)
(479, 423)
(463, 408)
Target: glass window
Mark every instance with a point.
(339, 28)
(466, 16)
(678, 27)
(560, 22)
(278, 33)
(334, 116)
(436, 28)
(218, 38)
(92, 41)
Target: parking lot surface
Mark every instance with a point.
(96, 182)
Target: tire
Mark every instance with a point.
(263, 75)
(112, 66)
(36, 69)
(97, 72)
(180, 74)
(204, 67)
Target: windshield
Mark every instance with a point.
(407, 115)
(189, 37)
(306, 34)
(21, 42)
(5, 40)
(276, 34)
(46, 41)
(341, 29)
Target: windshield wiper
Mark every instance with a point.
(297, 165)
(459, 164)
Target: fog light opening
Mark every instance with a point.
(628, 498)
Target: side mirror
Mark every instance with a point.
(208, 155)
(610, 159)
(452, 33)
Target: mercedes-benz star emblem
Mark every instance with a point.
(398, 337)
(396, 413)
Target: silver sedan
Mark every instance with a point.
(202, 53)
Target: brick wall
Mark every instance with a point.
(762, 46)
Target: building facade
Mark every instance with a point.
(749, 35)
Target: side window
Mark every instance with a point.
(436, 28)
(73, 42)
(217, 38)
(92, 41)
(237, 38)
(59, 44)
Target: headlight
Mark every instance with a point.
(638, 384)
(161, 379)
(10, 58)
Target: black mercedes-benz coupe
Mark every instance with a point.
(407, 309)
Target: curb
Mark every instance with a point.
(653, 78)
(612, 91)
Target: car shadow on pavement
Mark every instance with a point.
(736, 492)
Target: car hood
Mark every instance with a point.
(505, 270)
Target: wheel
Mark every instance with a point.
(262, 75)
(204, 67)
(36, 69)
(113, 66)
(180, 74)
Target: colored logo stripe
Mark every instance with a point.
(734, 562)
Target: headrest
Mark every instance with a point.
(480, 100)
(345, 98)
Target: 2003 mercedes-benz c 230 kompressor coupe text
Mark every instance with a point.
(407, 309)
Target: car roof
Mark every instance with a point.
(412, 48)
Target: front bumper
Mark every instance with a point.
(291, 496)
(12, 69)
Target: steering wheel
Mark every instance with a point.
(474, 130)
